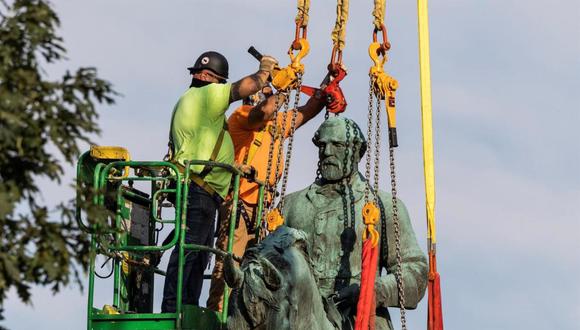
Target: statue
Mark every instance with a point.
(275, 288)
(328, 215)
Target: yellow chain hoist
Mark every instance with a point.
(384, 86)
(285, 80)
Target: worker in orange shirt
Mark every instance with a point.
(252, 128)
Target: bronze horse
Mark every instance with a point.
(274, 288)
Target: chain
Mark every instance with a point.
(270, 157)
(377, 149)
(318, 174)
(280, 136)
(399, 271)
(354, 171)
(290, 142)
(369, 141)
(348, 220)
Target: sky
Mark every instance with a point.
(505, 81)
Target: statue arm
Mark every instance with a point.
(414, 263)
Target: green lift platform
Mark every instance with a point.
(124, 223)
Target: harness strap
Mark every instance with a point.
(254, 147)
(214, 153)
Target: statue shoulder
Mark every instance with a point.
(296, 198)
(296, 205)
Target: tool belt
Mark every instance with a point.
(198, 180)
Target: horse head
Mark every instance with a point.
(274, 287)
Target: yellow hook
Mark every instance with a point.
(371, 215)
(288, 76)
(274, 219)
(303, 50)
(384, 85)
(375, 50)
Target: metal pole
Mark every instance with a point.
(181, 260)
(233, 219)
(92, 253)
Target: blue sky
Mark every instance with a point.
(505, 77)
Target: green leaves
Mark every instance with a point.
(39, 246)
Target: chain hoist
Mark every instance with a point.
(330, 86)
(288, 80)
(383, 87)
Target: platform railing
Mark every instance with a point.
(105, 174)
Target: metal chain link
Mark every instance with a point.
(354, 171)
(280, 136)
(265, 206)
(369, 141)
(377, 149)
(348, 220)
(290, 142)
(399, 271)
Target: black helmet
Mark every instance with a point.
(212, 61)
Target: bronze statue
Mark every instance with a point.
(328, 214)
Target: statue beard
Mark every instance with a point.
(333, 170)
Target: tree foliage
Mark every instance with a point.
(42, 122)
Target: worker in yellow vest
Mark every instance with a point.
(197, 132)
(252, 130)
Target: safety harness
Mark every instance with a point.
(198, 178)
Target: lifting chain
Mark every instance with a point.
(290, 142)
(369, 141)
(271, 188)
(349, 217)
(286, 80)
(281, 136)
(274, 218)
(399, 271)
(383, 87)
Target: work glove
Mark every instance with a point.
(267, 91)
(268, 64)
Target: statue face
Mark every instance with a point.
(335, 153)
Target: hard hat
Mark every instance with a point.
(213, 61)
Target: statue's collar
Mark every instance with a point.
(320, 191)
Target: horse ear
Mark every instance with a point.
(233, 276)
(272, 276)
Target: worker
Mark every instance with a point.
(252, 129)
(198, 132)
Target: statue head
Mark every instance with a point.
(341, 145)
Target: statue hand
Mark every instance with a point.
(348, 295)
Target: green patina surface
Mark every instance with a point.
(330, 212)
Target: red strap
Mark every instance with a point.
(435, 311)
(366, 307)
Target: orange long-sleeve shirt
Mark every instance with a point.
(244, 136)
